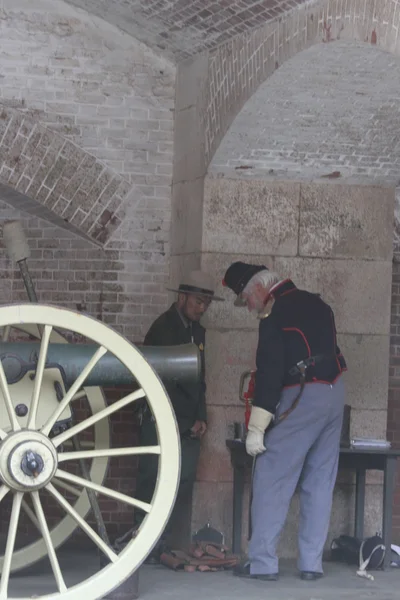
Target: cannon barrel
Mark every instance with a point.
(171, 363)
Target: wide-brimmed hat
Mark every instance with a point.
(197, 282)
(238, 275)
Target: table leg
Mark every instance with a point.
(388, 490)
(238, 492)
(360, 504)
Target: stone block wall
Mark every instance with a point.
(331, 124)
(329, 238)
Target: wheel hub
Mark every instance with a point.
(32, 464)
(28, 461)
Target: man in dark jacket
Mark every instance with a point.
(180, 324)
(299, 399)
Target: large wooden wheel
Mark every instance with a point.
(31, 460)
(35, 551)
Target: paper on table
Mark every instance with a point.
(381, 443)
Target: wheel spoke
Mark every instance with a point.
(108, 452)
(73, 390)
(47, 539)
(27, 509)
(3, 491)
(59, 439)
(39, 376)
(15, 426)
(88, 444)
(65, 486)
(103, 490)
(79, 395)
(6, 333)
(82, 523)
(12, 534)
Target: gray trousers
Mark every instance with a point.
(302, 450)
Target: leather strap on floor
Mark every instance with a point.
(201, 556)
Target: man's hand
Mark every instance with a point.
(255, 443)
(199, 428)
(258, 423)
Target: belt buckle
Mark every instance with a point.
(302, 367)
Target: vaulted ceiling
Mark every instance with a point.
(181, 28)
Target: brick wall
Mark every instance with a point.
(244, 62)
(307, 122)
(110, 99)
(91, 83)
(181, 29)
(69, 272)
(49, 176)
(66, 270)
(84, 80)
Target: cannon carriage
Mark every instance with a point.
(39, 384)
(52, 360)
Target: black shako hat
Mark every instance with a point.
(238, 276)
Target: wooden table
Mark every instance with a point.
(358, 460)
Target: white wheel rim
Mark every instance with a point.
(111, 576)
(35, 551)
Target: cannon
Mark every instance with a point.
(45, 452)
(37, 426)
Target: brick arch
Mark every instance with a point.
(46, 175)
(241, 65)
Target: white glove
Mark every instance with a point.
(258, 423)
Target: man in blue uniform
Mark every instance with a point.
(296, 418)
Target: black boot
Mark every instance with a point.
(243, 570)
(310, 575)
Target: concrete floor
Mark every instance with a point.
(339, 582)
(160, 583)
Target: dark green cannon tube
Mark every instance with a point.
(171, 363)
